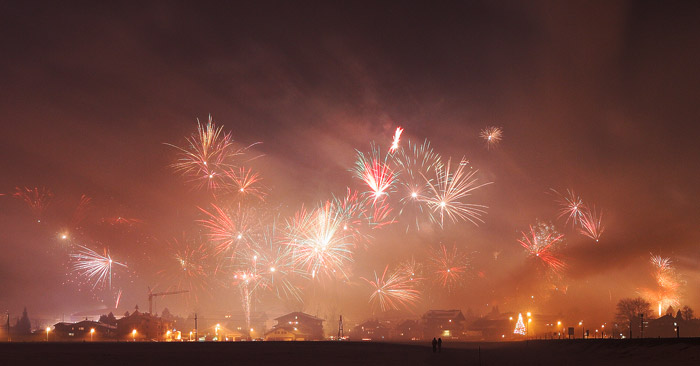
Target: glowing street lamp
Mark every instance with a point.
(216, 331)
(559, 328)
(580, 324)
(602, 333)
(92, 331)
(133, 335)
(48, 329)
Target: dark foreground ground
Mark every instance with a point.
(557, 352)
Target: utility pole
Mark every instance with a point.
(196, 334)
(630, 328)
(340, 328)
(9, 339)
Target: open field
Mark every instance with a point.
(576, 352)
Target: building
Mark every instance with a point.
(665, 327)
(409, 330)
(147, 326)
(446, 324)
(296, 326)
(372, 330)
(83, 330)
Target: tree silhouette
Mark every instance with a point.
(108, 319)
(23, 325)
(687, 312)
(628, 311)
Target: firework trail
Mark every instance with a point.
(38, 199)
(118, 300)
(122, 221)
(447, 195)
(94, 267)
(570, 206)
(492, 135)
(319, 243)
(375, 172)
(230, 229)
(397, 138)
(81, 211)
(415, 164)
(392, 291)
(448, 266)
(542, 242)
(591, 225)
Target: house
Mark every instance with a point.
(409, 330)
(665, 327)
(147, 327)
(447, 324)
(296, 326)
(84, 330)
(372, 330)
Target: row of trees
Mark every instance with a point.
(631, 308)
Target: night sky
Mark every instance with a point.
(598, 97)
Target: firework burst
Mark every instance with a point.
(188, 267)
(207, 155)
(246, 183)
(96, 268)
(229, 229)
(449, 266)
(668, 281)
(38, 199)
(492, 136)
(591, 224)
(393, 291)
(447, 195)
(570, 206)
(415, 164)
(319, 243)
(375, 172)
(542, 242)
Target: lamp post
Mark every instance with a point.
(48, 329)
(133, 335)
(527, 329)
(559, 328)
(216, 331)
(583, 332)
(602, 333)
(92, 331)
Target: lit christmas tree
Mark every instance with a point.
(520, 326)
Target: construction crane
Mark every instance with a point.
(151, 295)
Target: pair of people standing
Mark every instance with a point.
(437, 345)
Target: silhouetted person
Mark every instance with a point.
(435, 343)
(439, 344)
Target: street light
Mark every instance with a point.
(559, 328)
(133, 335)
(92, 331)
(48, 329)
(527, 329)
(216, 331)
(602, 333)
(580, 324)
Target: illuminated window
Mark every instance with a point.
(446, 333)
